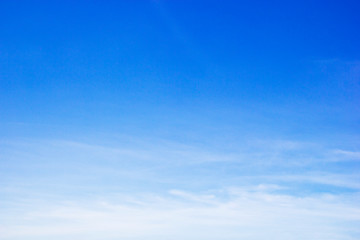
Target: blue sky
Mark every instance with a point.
(179, 120)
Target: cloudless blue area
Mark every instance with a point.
(157, 64)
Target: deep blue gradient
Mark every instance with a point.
(92, 62)
(105, 97)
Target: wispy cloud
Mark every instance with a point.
(161, 189)
(234, 214)
(347, 155)
(168, 161)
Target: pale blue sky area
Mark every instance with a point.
(179, 120)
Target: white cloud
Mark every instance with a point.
(259, 205)
(243, 214)
(343, 155)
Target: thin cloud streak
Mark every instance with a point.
(234, 213)
(78, 189)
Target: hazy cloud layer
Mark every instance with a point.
(71, 190)
(255, 213)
